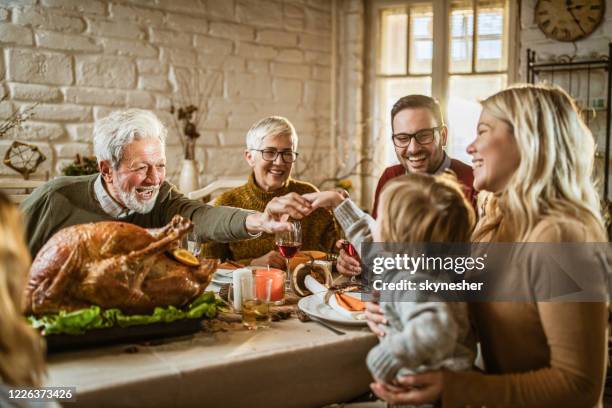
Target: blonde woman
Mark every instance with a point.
(21, 349)
(534, 154)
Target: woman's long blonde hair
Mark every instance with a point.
(21, 348)
(425, 208)
(556, 161)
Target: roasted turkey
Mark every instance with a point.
(114, 265)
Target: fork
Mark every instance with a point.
(307, 318)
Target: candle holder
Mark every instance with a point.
(278, 278)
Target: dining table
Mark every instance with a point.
(290, 364)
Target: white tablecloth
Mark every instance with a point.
(291, 364)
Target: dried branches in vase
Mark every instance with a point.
(190, 113)
(190, 108)
(189, 130)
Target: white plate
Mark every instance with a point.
(223, 276)
(314, 306)
(224, 273)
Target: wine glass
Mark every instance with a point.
(289, 243)
(352, 252)
(194, 243)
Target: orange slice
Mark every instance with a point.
(185, 257)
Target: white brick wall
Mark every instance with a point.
(596, 44)
(532, 37)
(350, 125)
(82, 59)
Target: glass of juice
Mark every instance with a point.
(256, 302)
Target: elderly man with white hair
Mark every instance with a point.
(131, 187)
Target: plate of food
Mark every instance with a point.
(93, 326)
(117, 275)
(313, 305)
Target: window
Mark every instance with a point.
(474, 76)
(405, 65)
(473, 48)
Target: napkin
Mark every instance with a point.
(320, 291)
(350, 303)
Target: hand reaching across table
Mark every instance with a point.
(277, 212)
(346, 264)
(292, 205)
(273, 259)
(325, 199)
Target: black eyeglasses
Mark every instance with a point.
(270, 155)
(423, 137)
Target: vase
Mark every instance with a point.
(188, 180)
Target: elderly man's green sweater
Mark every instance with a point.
(68, 201)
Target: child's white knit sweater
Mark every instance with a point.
(422, 335)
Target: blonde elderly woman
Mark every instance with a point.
(130, 147)
(271, 150)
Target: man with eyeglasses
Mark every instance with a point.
(271, 151)
(419, 137)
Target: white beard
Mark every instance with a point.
(131, 201)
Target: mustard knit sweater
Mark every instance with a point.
(319, 230)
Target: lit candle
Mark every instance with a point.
(278, 282)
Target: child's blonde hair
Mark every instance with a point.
(424, 208)
(21, 348)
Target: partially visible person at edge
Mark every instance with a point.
(271, 151)
(22, 350)
(131, 187)
(419, 137)
(534, 155)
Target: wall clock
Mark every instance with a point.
(569, 20)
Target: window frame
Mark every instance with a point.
(440, 73)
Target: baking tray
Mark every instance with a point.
(121, 335)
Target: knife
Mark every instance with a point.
(304, 317)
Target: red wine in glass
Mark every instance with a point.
(352, 252)
(289, 249)
(349, 249)
(289, 243)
